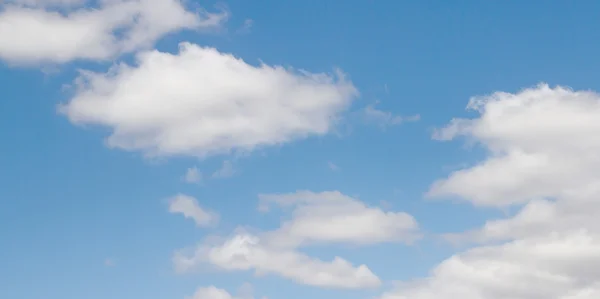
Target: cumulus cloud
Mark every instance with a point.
(246, 252)
(542, 145)
(542, 142)
(201, 102)
(332, 217)
(189, 208)
(317, 219)
(58, 31)
(551, 266)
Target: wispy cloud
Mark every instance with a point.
(333, 166)
(227, 170)
(246, 27)
(109, 262)
(385, 118)
(193, 176)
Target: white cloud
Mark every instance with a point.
(332, 217)
(574, 209)
(542, 142)
(317, 219)
(213, 293)
(58, 31)
(246, 291)
(246, 252)
(543, 146)
(552, 266)
(193, 175)
(46, 3)
(227, 170)
(189, 208)
(201, 102)
(386, 118)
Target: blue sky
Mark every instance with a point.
(104, 115)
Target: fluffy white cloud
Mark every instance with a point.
(570, 211)
(189, 208)
(58, 31)
(554, 266)
(542, 142)
(317, 219)
(543, 146)
(246, 252)
(202, 102)
(332, 217)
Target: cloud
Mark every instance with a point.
(317, 219)
(59, 31)
(46, 3)
(213, 293)
(547, 267)
(333, 166)
(227, 170)
(246, 252)
(246, 27)
(385, 118)
(542, 143)
(332, 217)
(109, 262)
(542, 146)
(576, 210)
(201, 102)
(189, 208)
(246, 291)
(192, 175)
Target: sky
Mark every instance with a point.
(361, 149)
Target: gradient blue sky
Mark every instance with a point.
(70, 204)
